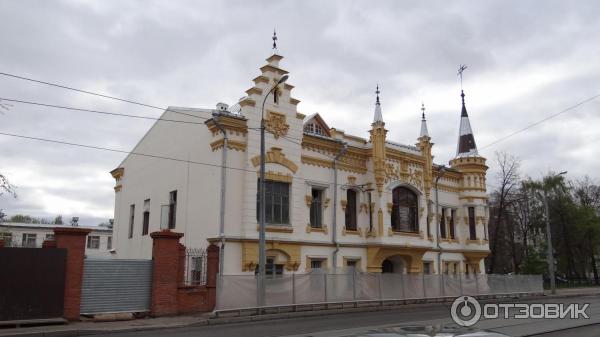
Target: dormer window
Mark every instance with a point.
(314, 128)
(316, 125)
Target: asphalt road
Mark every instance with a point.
(349, 324)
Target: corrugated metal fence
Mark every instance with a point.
(111, 286)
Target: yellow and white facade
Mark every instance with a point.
(381, 215)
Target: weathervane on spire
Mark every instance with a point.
(423, 110)
(461, 69)
(377, 93)
(274, 40)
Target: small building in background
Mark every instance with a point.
(14, 234)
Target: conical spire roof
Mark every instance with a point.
(424, 131)
(377, 117)
(466, 141)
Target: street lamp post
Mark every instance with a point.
(262, 209)
(549, 239)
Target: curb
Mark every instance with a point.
(264, 317)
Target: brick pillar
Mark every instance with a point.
(212, 269)
(1, 243)
(73, 240)
(49, 244)
(181, 274)
(165, 272)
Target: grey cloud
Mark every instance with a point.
(196, 53)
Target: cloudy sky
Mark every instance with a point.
(527, 60)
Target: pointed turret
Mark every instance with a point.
(377, 117)
(466, 141)
(425, 146)
(378, 134)
(424, 131)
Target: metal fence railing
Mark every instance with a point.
(241, 291)
(195, 267)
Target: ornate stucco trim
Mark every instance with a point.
(250, 254)
(314, 161)
(273, 69)
(231, 144)
(117, 173)
(247, 102)
(276, 156)
(276, 124)
(276, 176)
(324, 229)
(261, 79)
(277, 228)
(232, 124)
(254, 90)
(357, 232)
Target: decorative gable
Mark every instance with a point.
(315, 125)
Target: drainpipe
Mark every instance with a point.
(223, 185)
(440, 172)
(335, 189)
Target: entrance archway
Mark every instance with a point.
(394, 264)
(387, 266)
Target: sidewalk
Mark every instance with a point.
(147, 324)
(98, 328)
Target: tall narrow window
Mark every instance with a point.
(109, 242)
(316, 208)
(172, 209)
(404, 210)
(452, 229)
(472, 228)
(131, 220)
(277, 202)
(443, 224)
(146, 219)
(426, 267)
(275, 94)
(351, 210)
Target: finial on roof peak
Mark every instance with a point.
(274, 40)
(424, 131)
(378, 116)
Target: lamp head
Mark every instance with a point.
(283, 79)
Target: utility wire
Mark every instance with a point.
(101, 148)
(287, 138)
(541, 121)
(139, 154)
(100, 112)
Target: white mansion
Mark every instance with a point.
(333, 200)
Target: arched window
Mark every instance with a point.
(351, 210)
(404, 210)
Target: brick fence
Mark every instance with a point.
(168, 297)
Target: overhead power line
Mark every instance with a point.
(288, 138)
(93, 147)
(100, 112)
(541, 121)
(109, 97)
